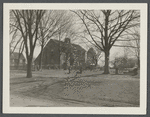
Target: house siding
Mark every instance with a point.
(16, 62)
(52, 59)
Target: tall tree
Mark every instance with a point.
(27, 22)
(105, 27)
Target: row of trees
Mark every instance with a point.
(101, 28)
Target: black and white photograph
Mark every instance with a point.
(63, 58)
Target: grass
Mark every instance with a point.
(92, 88)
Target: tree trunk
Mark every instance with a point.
(116, 72)
(29, 68)
(59, 49)
(106, 69)
(40, 59)
(95, 62)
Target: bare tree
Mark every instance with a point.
(65, 28)
(16, 41)
(105, 27)
(132, 47)
(27, 22)
(15, 38)
(47, 29)
(57, 24)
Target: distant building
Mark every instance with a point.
(91, 57)
(58, 53)
(17, 61)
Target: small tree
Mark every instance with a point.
(120, 63)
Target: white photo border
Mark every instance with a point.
(76, 110)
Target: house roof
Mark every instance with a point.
(91, 51)
(15, 55)
(62, 44)
(74, 46)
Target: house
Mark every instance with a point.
(17, 61)
(91, 57)
(56, 54)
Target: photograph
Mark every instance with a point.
(75, 58)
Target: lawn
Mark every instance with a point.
(57, 88)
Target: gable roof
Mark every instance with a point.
(75, 46)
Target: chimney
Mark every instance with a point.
(67, 40)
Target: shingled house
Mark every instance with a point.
(17, 61)
(56, 52)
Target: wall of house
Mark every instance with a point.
(52, 59)
(17, 64)
(50, 56)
